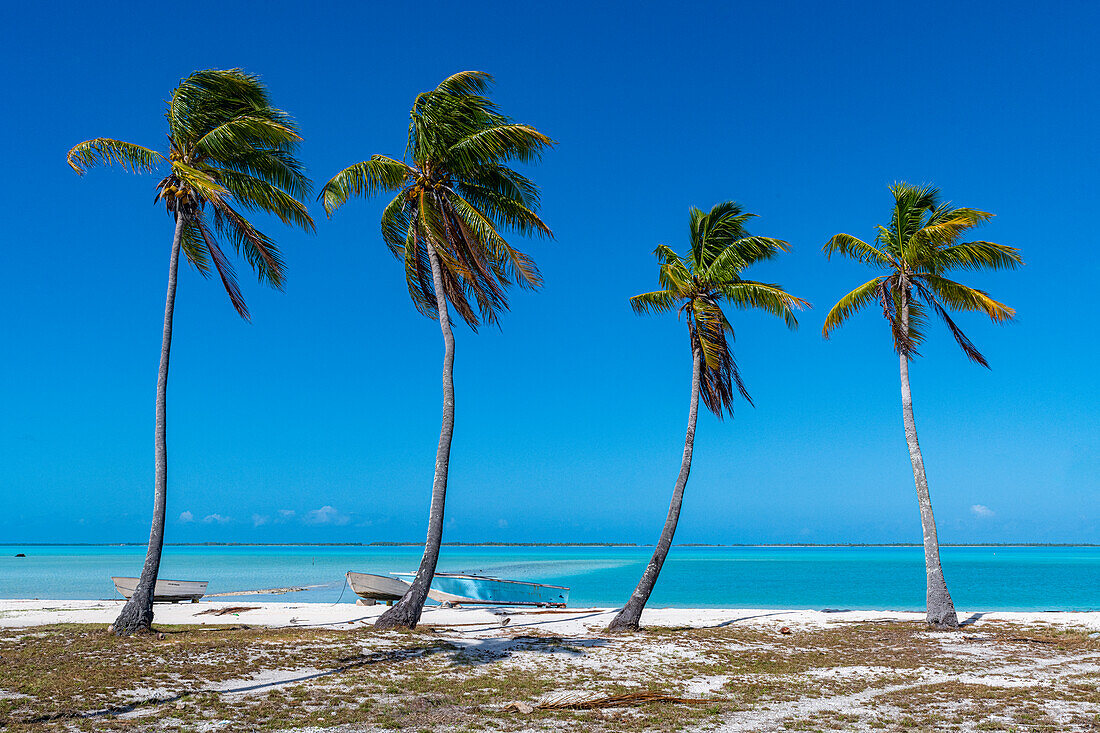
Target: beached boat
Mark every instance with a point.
(461, 588)
(374, 588)
(172, 591)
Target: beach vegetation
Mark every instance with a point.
(245, 678)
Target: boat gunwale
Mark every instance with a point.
(160, 580)
(490, 578)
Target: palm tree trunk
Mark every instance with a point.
(627, 619)
(406, 612)
(137, 614)
(941, 611)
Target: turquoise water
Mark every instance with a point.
(980, 578)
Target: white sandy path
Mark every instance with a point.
(1037, 673)
(485, 621)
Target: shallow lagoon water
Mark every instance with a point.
(980, 578)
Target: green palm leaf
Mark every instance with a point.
(854, 301)
(857, 250)
(105, 151)
(364, 179)
(980, 256)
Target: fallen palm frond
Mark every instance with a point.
(574, 701)
(226, 611)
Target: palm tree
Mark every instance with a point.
(229, 150)
(455, 194)
(917, 249)
(696, 285)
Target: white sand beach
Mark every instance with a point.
(566, 622)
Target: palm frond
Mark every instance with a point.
(745, 294)
(277, 167)
(659, 301)
(105, 151)
(256, 194)
(961, 338)
(946, 227)
(979, 256)
(517, 265)
(260, 250)
(854, 301)
(503, 181)
(500, 143)
(367, 178)
(242, 132)
(193, 245)
(225, 270)
(467, 82)
(503, 210)
(857, 250)
(964, 298)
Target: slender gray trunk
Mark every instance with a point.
(406, 612)
(941, 611)
(627, 619)
(137, 614)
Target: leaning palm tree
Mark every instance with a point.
(229, 150)
(917, 249)
(696, 285)
(455, 194)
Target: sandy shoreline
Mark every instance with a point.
(567, 622)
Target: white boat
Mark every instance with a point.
(460, 588)
(173, 591)
(373, 588)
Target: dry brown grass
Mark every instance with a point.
(896, 676)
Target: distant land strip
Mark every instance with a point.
(546, 544)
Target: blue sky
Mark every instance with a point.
(318, 421)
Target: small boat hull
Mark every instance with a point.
(376, 588)
(165, 591)
(458, 588)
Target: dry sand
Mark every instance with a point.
(567, 622)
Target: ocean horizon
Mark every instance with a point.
(982, 577)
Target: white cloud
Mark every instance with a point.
(187, 517)
(980, 510)
(502, 523)
(259, 520)
(285, 514)
(326, 515)
(210, 518)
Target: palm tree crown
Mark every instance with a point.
(710, 272)
(229, 149)
(454, 194)
(917, 248)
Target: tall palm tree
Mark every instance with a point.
(229, 150)
(455, 194)
(720, 250)
(917, 249)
